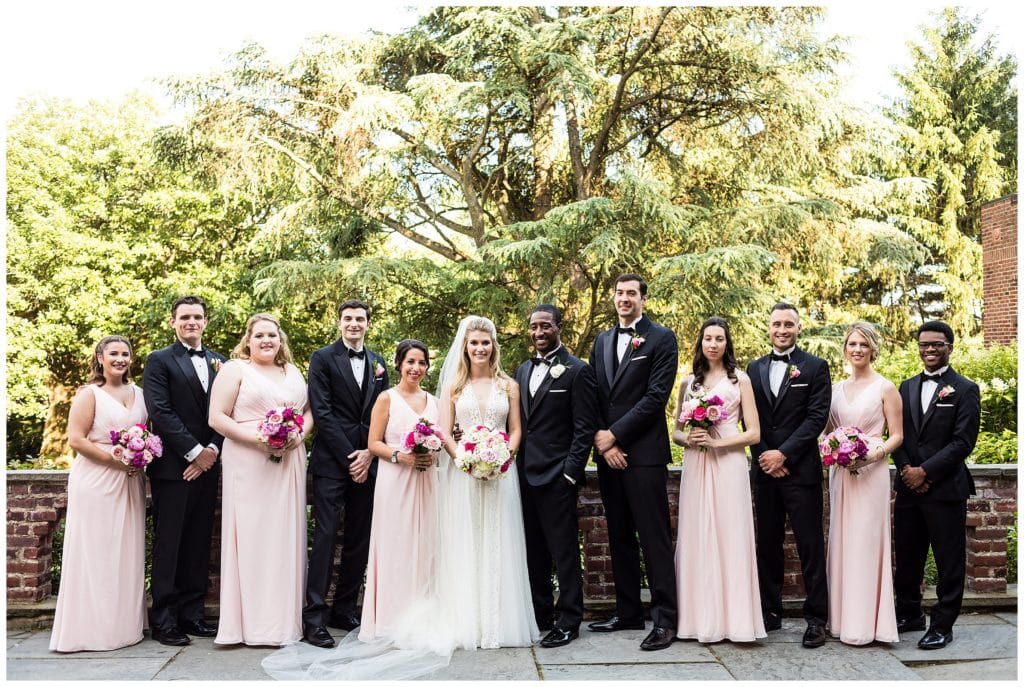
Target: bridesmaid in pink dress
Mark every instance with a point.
(263, 521)
(716, 570)
(404, 515)
(101, 604)
(861, 606)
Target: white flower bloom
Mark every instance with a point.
(999, 385)
(557, 371)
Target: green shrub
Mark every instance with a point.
(995, 448)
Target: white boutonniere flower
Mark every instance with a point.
(378, 371)
(557, 371)
(215, 364)
(947, 390)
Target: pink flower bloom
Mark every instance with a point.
(714, 413)
(117, 453)
(136, 444)
(700, 413)
(136, 431)
(275, 418)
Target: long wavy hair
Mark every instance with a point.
(284, 354)
(96, 375)
(480, 324)
(700, 362)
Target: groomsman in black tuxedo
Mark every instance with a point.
(558, 394)
(344, 381)
(941, 416)
(635, 364)
(183, 481)
(793, 391)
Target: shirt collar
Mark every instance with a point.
(940, 371)
(632, 324)
(788, 351)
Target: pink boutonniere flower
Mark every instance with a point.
(378, 371)
(215, 364)
(947, 390)
(637, 341)
(794, 372)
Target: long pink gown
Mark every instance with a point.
(101, 604)
(263, 522)
(404, 521)
(861, 606)
(716, 569)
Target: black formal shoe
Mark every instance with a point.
(171, 636)
(910, 624)
(559, 636)
(345, 621)
(814, 636)
(198, 628)
(772, 621)
(935, 639)
(318, 636)
(659, 638)
(616, 623)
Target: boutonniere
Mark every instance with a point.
(637, 341)
(947, 390)
(794, 372)
(378, 371)
(215, 364)
(557, 371)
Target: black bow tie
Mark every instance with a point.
(931, 377)
(196, 351)
(626, 330)
(781, 357)
(356, 354)
(545, 360)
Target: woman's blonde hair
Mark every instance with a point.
(868, 331)
(479, 324)
(284, 354)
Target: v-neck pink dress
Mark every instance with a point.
(101, 604)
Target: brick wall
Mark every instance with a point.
(37, 502)
(999, 262)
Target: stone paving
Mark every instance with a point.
(984, 648)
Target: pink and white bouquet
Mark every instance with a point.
(277, 428)
(483, 453)
(425, 437)
(703, 411)
(846, 447)
(135, 446)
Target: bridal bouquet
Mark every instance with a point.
(703, 411)
(844, 446)
(277, 428)
(425, 437)
(483, 453)
(135, 446)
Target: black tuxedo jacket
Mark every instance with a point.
(558, 422)
(792, 421)
(632, 399)
(940, 439)
(341, 410)
(178, 408)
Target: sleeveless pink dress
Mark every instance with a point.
(716, 569)
(263, 523)
(399, 570)
(861, 607)
(101, 604)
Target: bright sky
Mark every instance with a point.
(102, 48)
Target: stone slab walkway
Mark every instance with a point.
(984, 648)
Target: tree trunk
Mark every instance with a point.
(55, 431)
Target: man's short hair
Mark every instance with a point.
(936, 326)
(354, 304)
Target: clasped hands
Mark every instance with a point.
(773, 462)
(916, 479)
(614, 456)
(200, 464)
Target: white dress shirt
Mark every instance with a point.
(358, 364)
(929, 387)
(777, 370)
(203, 372)
(540, 369)
(622, 343)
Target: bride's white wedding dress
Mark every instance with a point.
(479, 596)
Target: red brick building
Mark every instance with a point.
(999, 248)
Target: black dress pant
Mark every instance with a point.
(182, 528)
(636, 508)
(920, 523)
(803, 504)
(334, 499)
(552, 536)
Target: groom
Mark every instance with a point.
(793, 391)
(558, 395)
(176, 386)
(635, 364)
(345, 379)
(941, 416)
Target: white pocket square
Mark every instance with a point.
(796, 386)
(557, 391)
(944, 405)
(639, 357)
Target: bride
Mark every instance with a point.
(479, 594)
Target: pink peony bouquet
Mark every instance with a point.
(483, 453)
(135, 446)
(425, 437)
(846, 447)
(277, 428)
(703, 411)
